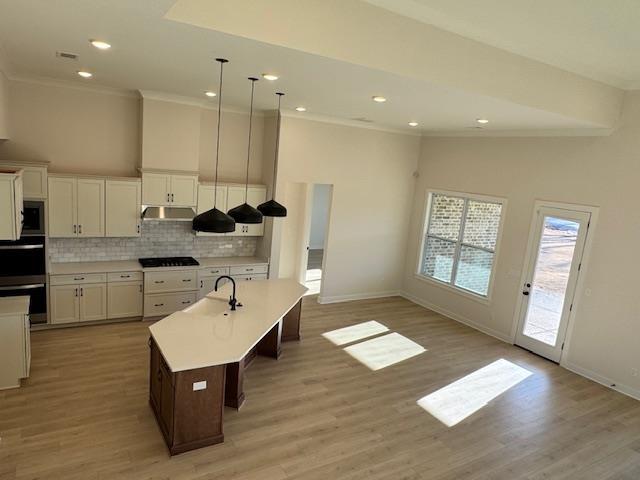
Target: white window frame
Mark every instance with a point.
(426, 216)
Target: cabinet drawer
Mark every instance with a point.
(257, 276)
(165, 304)
(213, 272)
(124, 276)
(174, 281)
(77, 279)
(249, 269)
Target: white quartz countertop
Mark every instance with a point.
(208, 333)
(14, 305)
(73, 268)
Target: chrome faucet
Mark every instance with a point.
(233, 301)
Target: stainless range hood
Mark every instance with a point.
(175, 214)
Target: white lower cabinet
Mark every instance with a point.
(167, 303)
(84, 302)
(124, 299)
(258, 276)
(168, 291)
(15, 349)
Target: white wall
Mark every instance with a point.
(4, 106)
(319, 215)
(371, 173)
(601, 171)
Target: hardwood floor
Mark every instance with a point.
(316, 413)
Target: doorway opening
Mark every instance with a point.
(554, 262)
(318, 227)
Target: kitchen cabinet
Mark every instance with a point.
(124, 299)
(168, 291)
(75, 298)
(34, 179)
(123, 208)
(10, 204)
(168, 189)
(76, 207)
(167, 303)
(15, 344)
(255, 196)
(205, 202)
(207, 279)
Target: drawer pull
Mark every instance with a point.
(78, 278)
(249, 269)
(125, 276)
(158, 281)
(187, 302)
(158, 304)
(186, 280)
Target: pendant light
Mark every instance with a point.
(271, 208)
(245, 213)
(214, 220)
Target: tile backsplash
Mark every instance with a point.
(158, 239)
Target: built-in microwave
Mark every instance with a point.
(33, 217)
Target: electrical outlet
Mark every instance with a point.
(199, 385)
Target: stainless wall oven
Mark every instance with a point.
(23, 272)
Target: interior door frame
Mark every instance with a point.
(532, 244)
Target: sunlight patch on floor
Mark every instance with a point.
(355, 332)
(462, 398)
(384, 351)
(313, 281)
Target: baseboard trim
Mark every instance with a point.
(602, 380)
(456, 317)
(583, 372)
(358, 296)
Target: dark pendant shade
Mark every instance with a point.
(271, 208)
(245, 213)
(214, 221)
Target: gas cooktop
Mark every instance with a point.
(168, 262)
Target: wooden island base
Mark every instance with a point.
(189, 405)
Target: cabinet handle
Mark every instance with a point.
(81, 292)
(125, 276)
(172, 198)
(186, 280)
(201, 284)
(74, 229)
(158, 304)
(138, 228)
(168, 197)
(79, 229)
(158, 281)
(249, 269)
(185, 303)
(78, 278)
(76, 292)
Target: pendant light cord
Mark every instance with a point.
(275, 159)
(246, 184)
(215, 185)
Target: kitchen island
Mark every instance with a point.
(198, 356)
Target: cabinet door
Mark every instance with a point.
(124, 299)
(184, 190)
(18, 205)
(34, 180)
(166, 399)
(205, 202)
(93, 302)
(62, 207)
(155, 189)
(155, 375)
(123, 200)
(90, 201)
(206, 286)
(65, 303)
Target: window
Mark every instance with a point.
(460, 241)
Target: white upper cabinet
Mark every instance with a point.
(76, 207)
(255, 196)
(123, 208)
(10, 204)
(172, 190)
(205, 202)
(34, 180)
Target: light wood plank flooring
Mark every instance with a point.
(316, 413)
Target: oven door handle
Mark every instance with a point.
(20, 247)
(24, 287)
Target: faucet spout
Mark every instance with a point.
(232, 300)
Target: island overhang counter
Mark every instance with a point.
(198, 356)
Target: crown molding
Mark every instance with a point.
(54, 82)
(485, 133)
(192, 101)
(344, 122)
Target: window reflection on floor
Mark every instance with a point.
(462, 398)
(350, 334)
(384, 351)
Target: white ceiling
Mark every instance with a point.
(598, 39)
(152, 53)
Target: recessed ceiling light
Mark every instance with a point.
(301, 109)
(99, 44)
(482, 120)
(413, 124)
(378, 99)
(269, 76)
(85, 74)
(209, 93)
